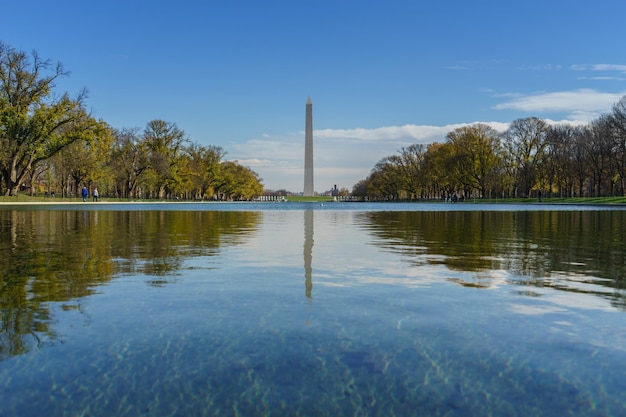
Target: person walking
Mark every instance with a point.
(95, 195)
(85, 193)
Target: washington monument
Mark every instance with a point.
(308, 150)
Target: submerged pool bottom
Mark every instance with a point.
(377, 350)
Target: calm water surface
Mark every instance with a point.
(310, 310)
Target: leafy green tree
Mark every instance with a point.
(164, 141)
(35, 123)
(100, 149)
(385, 180)
(129, 161)
(237, 182)
(476, 157)
(360, 189)
(438, 175)
(86, 161)
(202, 168)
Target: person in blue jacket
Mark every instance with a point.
(85, 194)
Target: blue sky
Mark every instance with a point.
(381, 75)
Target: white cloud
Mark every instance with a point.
(602, 78)
(408, 133)
(255, 162)
(543, 67)
(580, 105)
(600, 67)
(458, 67)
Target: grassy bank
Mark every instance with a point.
(554, 200)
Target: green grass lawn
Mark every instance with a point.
(555, 200)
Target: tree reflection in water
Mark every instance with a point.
(574, 251)
(59, 256)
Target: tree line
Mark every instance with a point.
(532, 158)
(50, 144)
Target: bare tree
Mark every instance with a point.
(599, 149)
(618, 123)
(410, 166)
(525, 143)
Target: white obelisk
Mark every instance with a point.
(308, 150)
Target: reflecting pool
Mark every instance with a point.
(312, 310)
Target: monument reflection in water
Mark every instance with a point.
(187, 311)
(308, 252)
